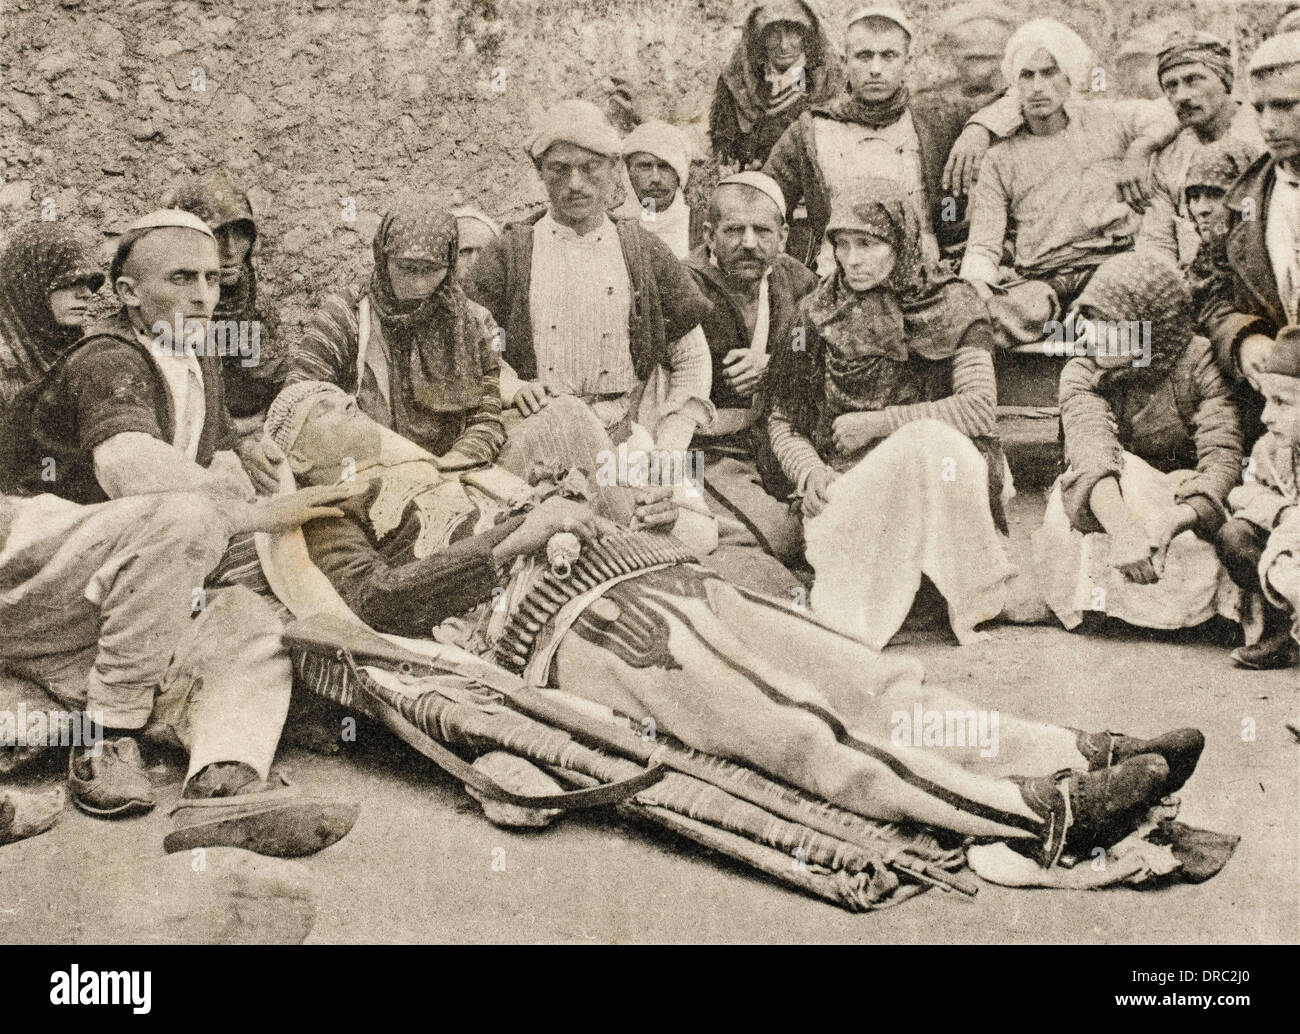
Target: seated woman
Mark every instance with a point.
(426, 552)
(882, 422)
(48, 276)
(419, 356)
(254, 372)
(1152, 446)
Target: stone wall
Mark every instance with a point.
(326, 108)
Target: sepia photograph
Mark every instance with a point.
(655, 472)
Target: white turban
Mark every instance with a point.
(758, 181)
(575, 122)
(665, 142)
(1072, 55)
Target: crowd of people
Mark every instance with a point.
(813, 358)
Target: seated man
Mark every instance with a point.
(475, 230)
(1260, 543)
(103, 607)
(592, 308)
(755, 290)
(137, 407)
(784, 692)
(1055, 180)
(658, 162)
(1196, 76)
(253, 372)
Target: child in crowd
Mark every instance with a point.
(1260, 544)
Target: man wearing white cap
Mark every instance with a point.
(591, 307)
(1261, 295)
(755, 290)
(100, 601)
(876, 128)
(658, 160)
(138, 405)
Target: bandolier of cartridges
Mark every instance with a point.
(598, 563)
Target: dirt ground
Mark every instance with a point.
(419, 866)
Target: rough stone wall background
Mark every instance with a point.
(314, 102)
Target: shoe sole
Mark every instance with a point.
(290, 830)
(120, 812)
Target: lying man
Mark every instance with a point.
(784, 692)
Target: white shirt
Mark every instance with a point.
(1282, 240)
(580, 297)
(184, 379)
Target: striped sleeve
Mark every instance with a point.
(327, 350)
(796, 454)
(972, 406)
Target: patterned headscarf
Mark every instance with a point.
(41, 257)
(1219, 164)
(216, 200)
(1200, 48)
(873, 335)
(744, 76)
(1147, 286)
(427, 337)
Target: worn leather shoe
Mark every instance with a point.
(1083, 810)
(1180, 748)
(112, 783)
(1267, 654)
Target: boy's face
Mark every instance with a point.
(876, 59)
(1275, 94)
(1281, 406)
(1209, 213)
(866, 260)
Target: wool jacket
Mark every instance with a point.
(1187, 422)
(666, 303)
(105, 385)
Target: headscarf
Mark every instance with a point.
(1197, 48)
(216, 200)
(433, 357)
(40, 257)
(916, 312)
(575, 122)
(469, 212)
(1143, 285)
(747, 67)
(1219, 164)
(1072, 55)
